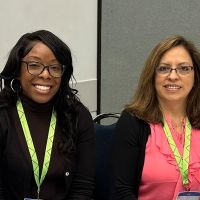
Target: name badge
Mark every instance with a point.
(31, 199)
(189, 195)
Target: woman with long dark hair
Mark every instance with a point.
(47, 141)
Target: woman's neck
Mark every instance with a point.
(36, 107)
(174, 109)
(177, 114)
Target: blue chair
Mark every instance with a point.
(103, 138)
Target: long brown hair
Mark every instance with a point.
(144, 104)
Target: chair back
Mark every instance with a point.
(103, 138)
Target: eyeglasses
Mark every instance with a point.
(36, 68)
(181, 70)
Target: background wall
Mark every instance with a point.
(74, 21)
(130, 29)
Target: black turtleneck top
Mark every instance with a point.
(68, 177)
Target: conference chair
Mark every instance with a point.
(103, 141)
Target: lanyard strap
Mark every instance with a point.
(182, 162)
(38, 179)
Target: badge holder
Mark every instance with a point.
(31, 199)
(188, 195)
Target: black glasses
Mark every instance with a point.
(36, 68)
(181, 70)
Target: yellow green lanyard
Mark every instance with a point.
(182, 162)
(31, 147)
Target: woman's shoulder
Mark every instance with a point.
(129, 116)
(81, 109)
(130, 123)
(83, 113)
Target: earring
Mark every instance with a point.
(14, 85)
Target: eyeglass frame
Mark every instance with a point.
(176, 69)
(63, 67)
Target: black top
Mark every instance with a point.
(128, 152)
(69, 177)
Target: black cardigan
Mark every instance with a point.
(128, 152)
(69, 177)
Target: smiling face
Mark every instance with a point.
(173, 87)
(41, 88)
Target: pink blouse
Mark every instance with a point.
(161, 179)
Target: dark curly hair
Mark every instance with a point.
(66, 99)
